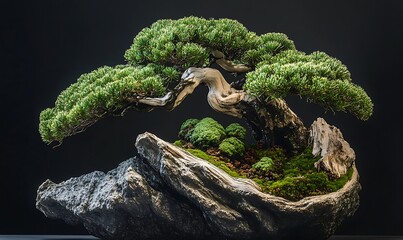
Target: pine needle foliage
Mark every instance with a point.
(317, 77)
(161, 52)
(104, 91)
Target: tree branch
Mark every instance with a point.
(272, 122)
(228, 65)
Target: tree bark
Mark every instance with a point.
(272, 123)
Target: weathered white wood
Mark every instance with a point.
(228, 65)
(221, 96)
(277, 123)
(328, 142)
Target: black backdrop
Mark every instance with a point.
(46, 45)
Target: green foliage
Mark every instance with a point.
(269, 45)
(188, 41)
(207, 133)
(215, 161)
(236, 130)
(279, 69)
(265, 164)
(187, 128)
(232, 147)
(317, 77)
(98, 93)
(162, 51)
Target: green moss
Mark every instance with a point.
(232, 147)
(276, 153)
(295, 188)
(187, 128)
(178, 143)
(265, 164)
(278, 156)
(236, 130)
(338, 183)
(207, 133)
(300, 178)
(215, 161)
(290, 177)
(301, 164)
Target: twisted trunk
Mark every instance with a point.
(272, 123)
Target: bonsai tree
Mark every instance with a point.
(169, 59)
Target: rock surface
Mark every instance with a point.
(167, 193)
(336, 154)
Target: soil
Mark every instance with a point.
(240, 164)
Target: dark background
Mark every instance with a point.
(46, 45)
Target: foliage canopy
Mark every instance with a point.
(161, 52)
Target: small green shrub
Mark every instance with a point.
(265, 164)
(207, 133)
(187, 128)
(232, 147)
(236, 130)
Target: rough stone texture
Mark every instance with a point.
(337, 155)
(167, 193)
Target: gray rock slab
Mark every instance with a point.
(167, 193)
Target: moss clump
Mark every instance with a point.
(207, 133)
(232, 147)
(236, 130)
(187, 127)
(265, 164)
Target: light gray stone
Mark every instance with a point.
(167, 193)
